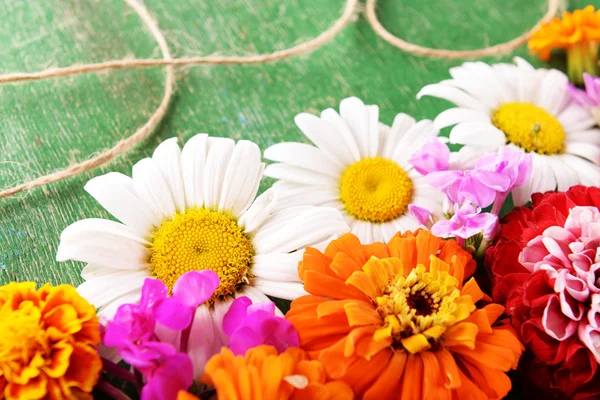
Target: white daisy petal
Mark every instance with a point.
(454, 116)
(412, 141)
(408, 222)
(115, 192)
(356, 115)
(552, 93)
(152, 188)
(281, 290)
(217, 313)
(103, 243)
(193, 160)
(588, 173)
(563, 173)
(91, 271)
(256, 296)
(522, 194)
(373, 131)
(204, 342)
(303, 156)
(584, 150)
(259, 211)
(298, 175)
(168, 159)
(343, 132)
(277, 266)
(454, 95)
(296, 195)
(542, 175)
(217, 160)
(477, 134)
(308, 227)
(105, 289)
(575, 118)
(241, 178)
(402, 123)
(320, 132)
(107, 312)
(590, 136)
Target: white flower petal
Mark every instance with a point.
(217, 313)
(364, 231)
(585, 150)
(542, 176)
(240, 183)
(356, 115)
(282, 235)
(103, 243)
(412, 141)
(281, 267)
(281, 290)
(454, 95)
(291, 195)
(575, 118)
(105, 289)
(587, 172)
(591, 136)
(204, 342)
(115, 192)
(457, 115)
(193, 161)
(373, 131)
(347, 141)
(522, 194)
(552, 92)
(323, 134)
(217, 160)
(259, 211)
(152, 188)
(563, 173)
(304, 156)
(256, 296)
(297, 174)
(168, 158)
(526, 81)
(91, 271)
(402, 123)
(107, 312)
(477, 134)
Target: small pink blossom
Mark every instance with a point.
(466, 222)
(570, 258)
(432, 156)
(249, 325)
(514, 164)
(423, 215)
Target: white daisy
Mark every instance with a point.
(358, 166)
(517, 105)
(193, 209)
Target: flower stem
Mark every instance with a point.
(139, 379)
(117, 371)
(485, 243)
(582, 58)
(114, 393)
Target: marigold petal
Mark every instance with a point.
(462, 334)
(379, 271)
(323, 285)
(433, 380)
(343, 265)
(412, 378)
(415, 343)
(450, 372)
(363, 373)
(348, 244)
(493, 382)
(362, 282)
(361, 313)
(35, 389)
(84, 368)
(405, 250)
(389, 382)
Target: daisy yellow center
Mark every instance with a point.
(417, 309)
(530, 127)
(375, 190)
(201, 239)
(19, 334)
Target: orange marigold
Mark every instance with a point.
(396, 322)
(263, 374)
(47, 343)
(578, 33)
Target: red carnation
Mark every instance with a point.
(545, 268)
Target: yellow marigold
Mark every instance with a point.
(578, 33)
(47, 343)
(263, 374)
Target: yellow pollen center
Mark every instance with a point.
(417, 309)
(375, 190)
(19, 336)
(530, 127)
(200, 239)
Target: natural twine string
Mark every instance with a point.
(498, 49)
(143, 132)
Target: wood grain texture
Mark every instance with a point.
(44, 125)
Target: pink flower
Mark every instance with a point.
(174, 374)
(423, 216)
(249, 325)
(512, 163)
(432, 156)
(476, 186)
(590, 97)
(466, 222)
(569, 257)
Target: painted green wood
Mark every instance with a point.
(44, 125)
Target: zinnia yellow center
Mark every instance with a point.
(19, 340)
(417, 309)
(201, 239)
(530, 127)
(375, 190)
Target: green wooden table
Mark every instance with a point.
(45, 125)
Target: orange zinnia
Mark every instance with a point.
(396, 322)
(578, 33)
(262, 374)
(47, 343)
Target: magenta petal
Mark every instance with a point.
(268, 307)
(280, 333)
(244, 339)
(153, 292)
(236, 313)
(175, 374)
(195, 287)
(173, 314)
(421, 214)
